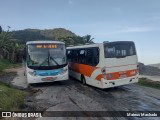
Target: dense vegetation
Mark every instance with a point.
(59, 34)
(10, 48)
(47, 34)
(12, 42)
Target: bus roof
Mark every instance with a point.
(85, 46)
(36, 42)
(97, 44)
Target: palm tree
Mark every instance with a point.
(5, 44)
(68, 40)
(88, 39)
(9, 48)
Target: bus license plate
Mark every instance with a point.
(48, 79)
(122, 76)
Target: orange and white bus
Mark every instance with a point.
(104, 65)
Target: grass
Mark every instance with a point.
(149, 83)
(10, 98)
(4, 64)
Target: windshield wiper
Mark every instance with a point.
(53, 60)
(49, 62)
(49, 57)
(43, 62)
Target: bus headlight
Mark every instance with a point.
(64, 71)
(32, 73)
(103, 71)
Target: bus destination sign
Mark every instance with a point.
(46, 46)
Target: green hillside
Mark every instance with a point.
(59, 34)
(36, 34)
(12, 43)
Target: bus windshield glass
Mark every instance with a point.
(46, 55)
(119, 49)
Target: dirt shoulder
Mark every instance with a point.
(14, 77)
(154, 78)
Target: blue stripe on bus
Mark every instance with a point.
(48, 72)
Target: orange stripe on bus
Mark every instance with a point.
(99, 77)
(82, 69)
(87, 70)
(117, 75)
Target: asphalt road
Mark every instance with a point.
(72, 95)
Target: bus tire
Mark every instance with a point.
(32, 85)
(83, 80)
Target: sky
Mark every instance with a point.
(104, 20)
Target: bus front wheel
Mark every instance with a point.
(83, 80)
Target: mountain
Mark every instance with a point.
(36, 34)
(155, 65)
(148, 70)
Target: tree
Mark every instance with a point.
(14, 48)
(67, 40)
(88, 39)
(5, 44)
(9, 48)
(72, 40)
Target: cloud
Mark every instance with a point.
(107, 30)
(135, 29)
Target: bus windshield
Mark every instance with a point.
(119, 49)
(46, 55)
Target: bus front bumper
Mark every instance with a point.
(118, 82)
(41, 79)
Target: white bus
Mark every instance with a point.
(45, 61)
(104, 65)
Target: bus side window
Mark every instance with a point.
(81, 56)
(89, 57)
(96, 56)
(75, 56)
(69, 55)
(92, 56)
